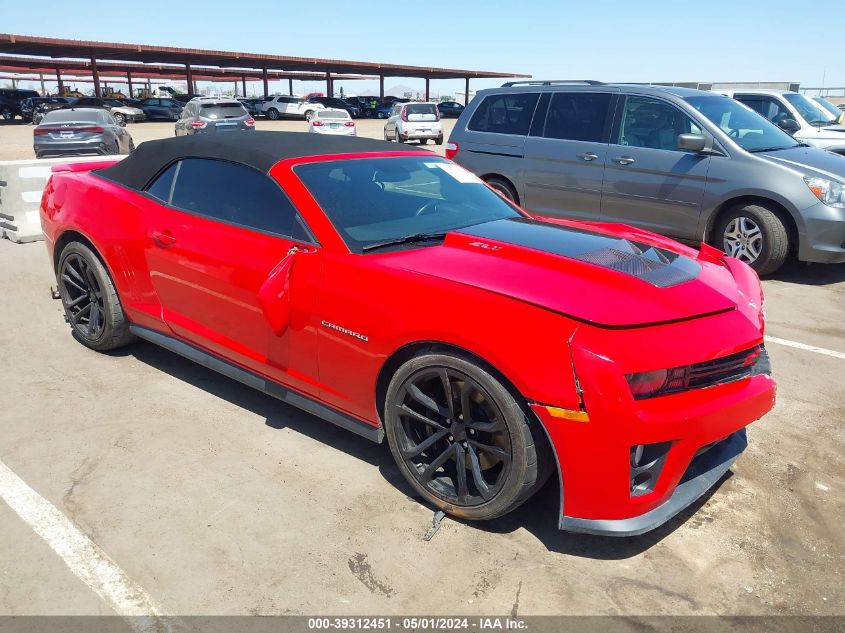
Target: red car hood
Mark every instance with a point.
(619, 278)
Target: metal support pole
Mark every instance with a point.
(43, 90)
(264, 77)
(236, 89)
(329, 85)
(129, 82)
(59, 80)
(96, 73)
(381, 87)
(189, 74)
(466, 91)
(426, 88)
(290, 86)
(243, 84)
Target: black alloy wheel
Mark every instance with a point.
(90, 300)
(460, 438)
(82, 297)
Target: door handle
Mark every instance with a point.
(623, 160)
(163, 239)
(587, 156)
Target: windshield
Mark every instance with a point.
(371, 200)
(812, 113)
(827, 105)
(745, 127)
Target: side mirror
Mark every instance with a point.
(789, 125)
(692, 142)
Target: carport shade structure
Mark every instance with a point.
(187, 58)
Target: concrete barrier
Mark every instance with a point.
(21, 185)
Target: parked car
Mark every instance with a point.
(252, 105)
(75, 131)
(381, 111)
(184, 98)
(32, 107)
(382, 308)
(203, 115)
(450, 109)
(122, 113)
(279, 106)
(697, 166)
(10, 102)
(796, 114)
(161, 108)
(835, 111)
(334, 102)
(332, 121)
(414, 122)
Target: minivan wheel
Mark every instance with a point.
(754, 235)
(460, 438)
(504, 188)
(90, 300)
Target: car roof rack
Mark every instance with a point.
(552, 82)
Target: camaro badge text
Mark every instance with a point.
(346, 331)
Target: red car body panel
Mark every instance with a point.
(563, 332)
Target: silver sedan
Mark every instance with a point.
(80, 131)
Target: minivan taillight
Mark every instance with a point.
(452, 149)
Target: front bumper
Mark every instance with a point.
(822, 237)
(704, 472)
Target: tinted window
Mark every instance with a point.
(654, 124)
(222, 110)
(812, 112)
(504, 113)
(233, 193)
(577, 116)
(161, 187)
(62, 116)
(375, 199)
(769, 107)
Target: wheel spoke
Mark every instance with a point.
(485, 427)
(85, 309)
(426, 443)
(447, 389)
(89, 276)
(77, 301)
(502, 454)
(66, 278)
(441, 459)
(94, 321)
(425, 400)
(477, 475)
(460, 466)
(77, 275)
(406, 410)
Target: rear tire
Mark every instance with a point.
(439, 140)
(478, 466)
(309, 114)
(90, 300)
(120, 118)
(6, 114)
(272, 114)
(755, 235)
(503, 187)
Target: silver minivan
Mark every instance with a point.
(696, 166)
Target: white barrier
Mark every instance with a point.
(21, 185)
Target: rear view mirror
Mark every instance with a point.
(692, 142)
(789, 125)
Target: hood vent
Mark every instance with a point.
(658, 267)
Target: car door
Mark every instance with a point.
(565, 155)
(234, 268)
(649, 182)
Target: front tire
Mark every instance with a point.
(90, 300)
(273, 114)
(460, 438)
(504, 188)
(754, 235)
(120, 118)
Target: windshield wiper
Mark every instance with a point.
(407, 239)
(774, 149)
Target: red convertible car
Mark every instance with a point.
(391, 292)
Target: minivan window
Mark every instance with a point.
(746, 128)
(812, 113)
(505, 113)
(232, 193)
(653, 123)
(578, 116)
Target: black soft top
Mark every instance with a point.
(260, 150)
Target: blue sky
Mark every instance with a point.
(657, 40)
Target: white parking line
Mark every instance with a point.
(84, 558)
(805, 347)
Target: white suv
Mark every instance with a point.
(286, 106)
(414, 122)
(797, 114)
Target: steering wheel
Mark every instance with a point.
(734, 133)
(428, 207)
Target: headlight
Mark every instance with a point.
(830, 192)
